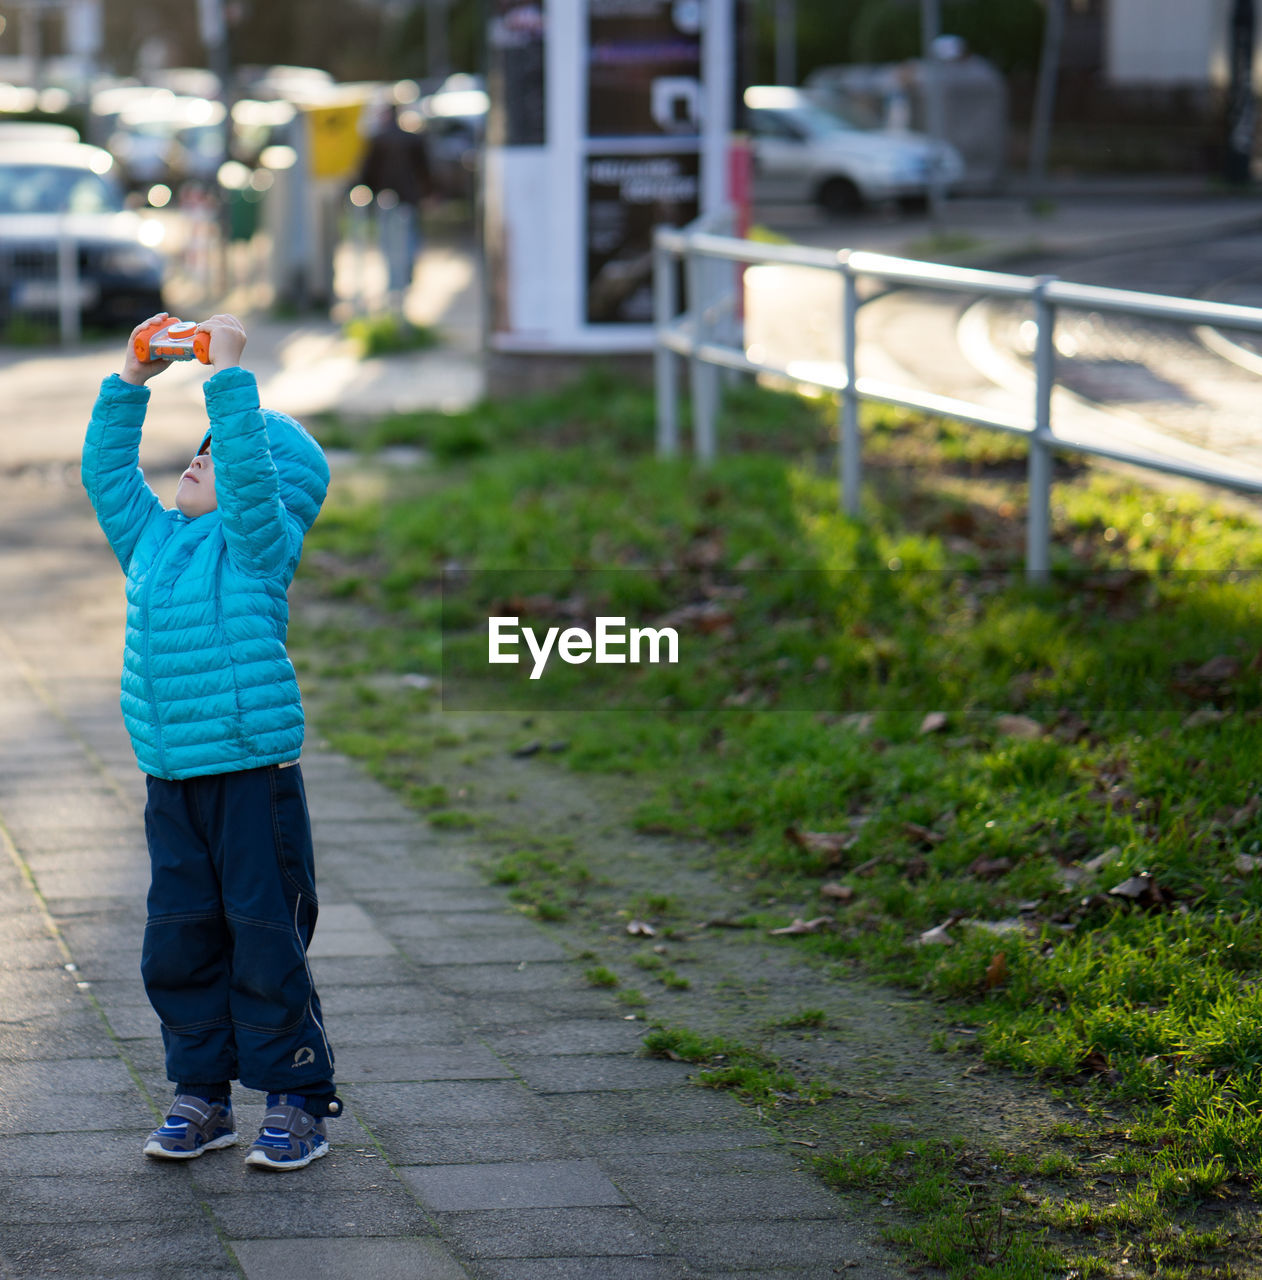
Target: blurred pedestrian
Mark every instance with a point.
(211, 703)
(396, 170)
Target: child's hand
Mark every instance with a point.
(138, 372)
(227, 340)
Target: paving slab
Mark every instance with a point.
(513, 977)
(95, 1249)
(281, 1211)
(352, 1165)
(679, 1196)
(362, 1031)
(670, 1268)
(303, 1259)
(533, 1184)
(54, 1039)
(368, 1064)
(491, 948)
(590, 1073)
(563, 1037)
(50, 1198)
(777, 1243)
(647, 1112)
(64, 1111)
(545, 1233)
(407, 1141)
(446, 1102)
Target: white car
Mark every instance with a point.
(806, 151)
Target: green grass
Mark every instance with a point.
(601, 976)
(384, 335)
(1145, 1008)
(750, 1073)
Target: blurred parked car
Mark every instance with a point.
(454, 125)
(51, 190)
(36, 131)
(167, 138)
(804, 150)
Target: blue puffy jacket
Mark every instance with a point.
(207, 684)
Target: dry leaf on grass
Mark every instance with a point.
(1141, 889)
(832, 844)
(1203, 716)
(917, 832)
(1019, 727)
(1221, 668)
(988, 867)
(842, 892)
(996, 970)
(1103, 859)
(804, 926)
(937, 936)
(641, 929)
(934, 722)
(1247, 813)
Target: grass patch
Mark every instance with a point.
(1080, 817)
(943, 245)
(601, 976)
(751, 1074)
(384, 335)
(806, 1019)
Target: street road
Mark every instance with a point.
(1154, 387)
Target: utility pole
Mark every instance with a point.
(930, 29)
(1241, 108)
(31, 38)
(212, 25)
(437, 59)
(786, 42)
(1045, 96)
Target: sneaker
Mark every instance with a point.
(193, 1126)
(290, 1138)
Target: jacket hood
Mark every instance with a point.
(300, 464)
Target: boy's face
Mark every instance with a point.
(195, 494)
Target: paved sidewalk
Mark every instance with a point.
(500, 1124)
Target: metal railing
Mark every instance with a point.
(708, 334)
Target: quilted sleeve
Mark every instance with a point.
(110, 470)
(247, 486)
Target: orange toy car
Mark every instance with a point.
(172, 340)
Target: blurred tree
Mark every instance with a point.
(344, 37)
(409, 55)
(822, 29)
(1007, 32)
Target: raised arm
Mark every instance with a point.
(257, 528)
(110, 470)
(123, 501)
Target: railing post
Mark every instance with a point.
(68, 317)
(665, 367)
(848, 459)
(703, 376)
(1038, 520)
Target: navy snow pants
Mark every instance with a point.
(232, 907)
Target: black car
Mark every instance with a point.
(55, 193)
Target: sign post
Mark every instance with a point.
(608, 118)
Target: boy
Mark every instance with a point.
(211, 704)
